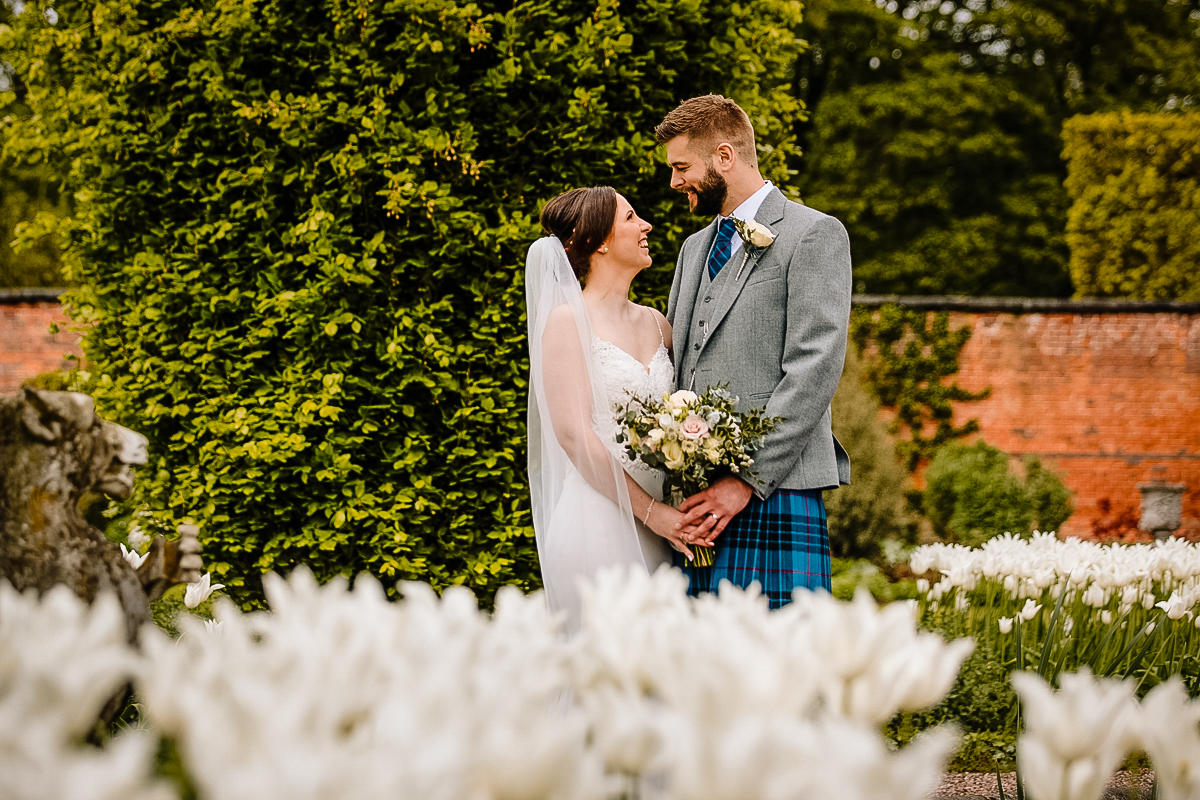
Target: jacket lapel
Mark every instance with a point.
(689, 288)
(770, 213)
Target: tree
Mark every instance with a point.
(300, 234)
(30, 204)
(934, 128)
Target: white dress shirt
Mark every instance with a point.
(746, 212)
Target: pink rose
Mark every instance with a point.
(693, 427)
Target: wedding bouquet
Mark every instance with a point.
(694, 439)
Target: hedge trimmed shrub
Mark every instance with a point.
(300, 230)
(971, 495)
(1135, 183)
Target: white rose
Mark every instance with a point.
(673, 451)
(681, 398)
(755, 233)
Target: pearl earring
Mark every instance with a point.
(603, 249)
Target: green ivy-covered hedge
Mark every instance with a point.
(300, 229)
(909, 354)
(1134, 180)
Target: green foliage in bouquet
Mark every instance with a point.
(693, 438)
(299, 232)
(1135, 183)
(971, 495)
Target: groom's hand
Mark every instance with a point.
(706, 514)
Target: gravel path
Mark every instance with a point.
(980, 785)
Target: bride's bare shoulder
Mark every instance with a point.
(562, 331)
(664, 327)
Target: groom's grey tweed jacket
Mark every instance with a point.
(777, 337)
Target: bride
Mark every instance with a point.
(589, 349)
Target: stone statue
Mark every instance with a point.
(53, 448)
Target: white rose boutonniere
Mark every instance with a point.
(756, 236)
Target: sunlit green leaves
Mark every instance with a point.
(300, 235)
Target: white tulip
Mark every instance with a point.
(1175, 607)
(1095, 596)
(340, 694)
(922, 585)
(1006, 624)
(1074, 738)
(1030, 610)
(1167, 727)
(131, 556)
(60, 661)
(1106, 617)
(200, 591)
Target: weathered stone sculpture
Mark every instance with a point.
(53, 448)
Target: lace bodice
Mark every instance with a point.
(623, 376)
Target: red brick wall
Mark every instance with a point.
(27, 348)
(1107, 399)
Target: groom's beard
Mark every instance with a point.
(710, 194)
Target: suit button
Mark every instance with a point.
(696, 346)
(701, 323)
(707, 299)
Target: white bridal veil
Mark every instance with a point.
(581, 509)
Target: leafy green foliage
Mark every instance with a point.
(871, 509)
(981, 703)
(29, 256)
(971, 495)
(300, 230)
(909, 353)
(934, 129)
(30, 204)
(1135, 182)
(1049, 498)
(848, 575)
(962, 196)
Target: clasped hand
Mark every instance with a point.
(706, 514)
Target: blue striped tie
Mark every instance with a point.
(722, 247)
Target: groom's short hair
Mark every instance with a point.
(707, 122)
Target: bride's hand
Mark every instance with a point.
(663, 520)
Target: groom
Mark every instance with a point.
(771, 321)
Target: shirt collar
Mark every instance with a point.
(748, 210)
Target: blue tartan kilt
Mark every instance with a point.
(783, 543)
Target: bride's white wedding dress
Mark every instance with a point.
(587, 531)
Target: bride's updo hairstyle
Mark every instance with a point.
(581, 219)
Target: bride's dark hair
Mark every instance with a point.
(581, 219)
